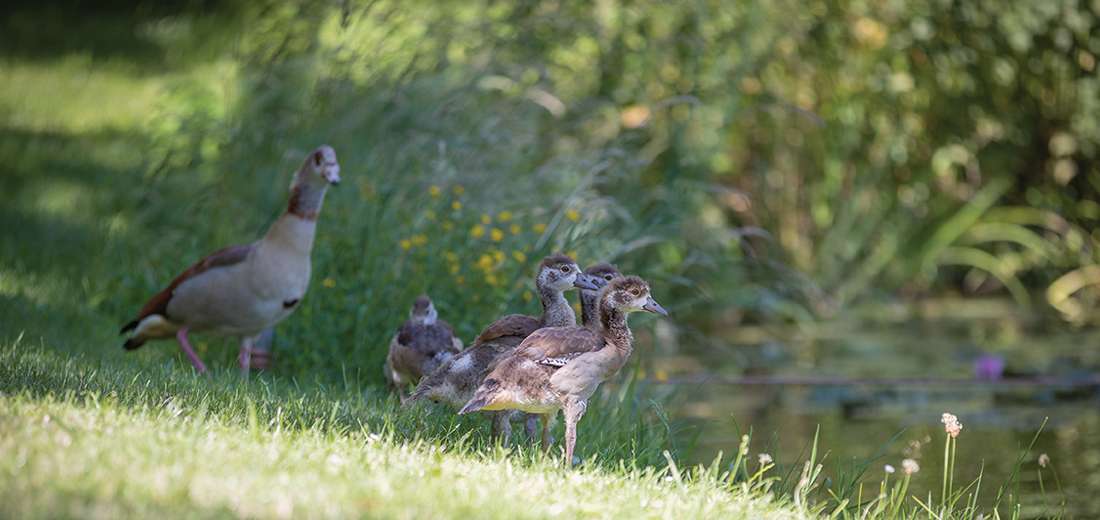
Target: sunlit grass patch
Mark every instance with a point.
(102, 443)
(72, 94)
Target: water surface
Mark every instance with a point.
(864, 383)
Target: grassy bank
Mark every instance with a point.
(118, 171)
(97, 439)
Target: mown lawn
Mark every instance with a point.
(106, 440)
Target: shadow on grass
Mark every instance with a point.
(143, 36)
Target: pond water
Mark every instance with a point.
(864, 383)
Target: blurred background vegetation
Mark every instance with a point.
(759, 162)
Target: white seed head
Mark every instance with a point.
(951, 424)
(910, 466)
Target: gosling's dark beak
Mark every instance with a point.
(584, 282)
(651, 305)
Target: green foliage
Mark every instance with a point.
(925, 106)
(868, 146)
(773, 157)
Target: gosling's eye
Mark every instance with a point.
(634, 291)
(565, 268)
(607, 277)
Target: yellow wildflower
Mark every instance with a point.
(447, 225)
(504, 216)
(453, 268)
(450, 256)
(329, 282)
(572, 215)
(486, 219)
(459, 190)
(366, 191)
(429, 214)
(484, 262)
(477, 231)
(519, 256)
(540, 227)
(406, 243)
(496, 234)
(419, 240)
(572, 254)
(498, 256)
(491, 279)
(456, 205)
(515, 229)
(460, 280)
(433, 191)
(527, 296)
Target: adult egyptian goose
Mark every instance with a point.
(599, 275)
(242, 290)
(421, 344)
(559, 368)
(457, 379)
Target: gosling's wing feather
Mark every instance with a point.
(555, 346)
(409, 334)
(405, 359)
(510, 325)
(220, 258)
(444, 335)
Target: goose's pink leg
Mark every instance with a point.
(262, 350)
(181, 335)
(244, 359)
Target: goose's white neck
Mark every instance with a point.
(293, 232)
(305, 198)
(297, 226)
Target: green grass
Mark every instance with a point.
(94, 439)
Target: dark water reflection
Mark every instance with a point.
(857, 421)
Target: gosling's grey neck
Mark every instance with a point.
(556, 311)
(590, 309)
(615, 329)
